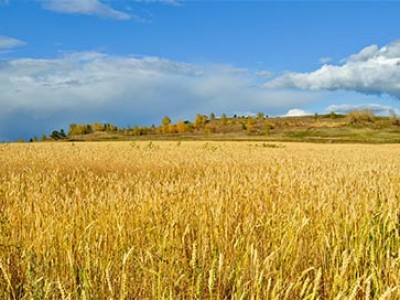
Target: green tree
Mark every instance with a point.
(58, 135)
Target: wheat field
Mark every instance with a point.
(199, 220)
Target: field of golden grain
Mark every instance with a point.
(199, 220)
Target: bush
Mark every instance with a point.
(361, 116)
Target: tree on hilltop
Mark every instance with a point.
(165, 123)
(200, 121)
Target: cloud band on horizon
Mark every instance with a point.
(92, 86)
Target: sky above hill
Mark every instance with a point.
(131, 62)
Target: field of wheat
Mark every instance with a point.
(199, 220)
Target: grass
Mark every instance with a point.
(322, 129)
(199, 220)
(345, 134)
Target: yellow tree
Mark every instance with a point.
(181, 126)
(250, 124)
(166, 122)
(97, 127)
(224, 119)
(267, 127)
(200, 121)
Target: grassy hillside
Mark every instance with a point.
(359, 126)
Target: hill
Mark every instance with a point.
(357, 126)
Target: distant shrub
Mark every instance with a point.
(250, 124)
(58, 135)
(224, 119)
(333, 115)
(361, 116)
(268, 125)
(394, 119)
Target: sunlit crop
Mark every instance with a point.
(199, 220)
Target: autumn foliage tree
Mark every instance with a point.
(267, 126)
(80, 129)
(181, 127)
(250, 124)
(76, 129)
(166, 122)
(200, 121)
(224, 119)
(360, 116)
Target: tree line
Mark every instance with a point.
(202, 123)
(258, 124)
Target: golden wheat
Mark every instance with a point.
(199, 220)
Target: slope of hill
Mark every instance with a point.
(362, 127)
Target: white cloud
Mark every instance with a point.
(8, 42)
(174, 2)
(86, 7)
(295, 112)
(371, 71)
(365, 54)
(44, 94)
(376, 108)
(325, 60)
(264, 74)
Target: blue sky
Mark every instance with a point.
(132, 62)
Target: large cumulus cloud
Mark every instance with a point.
(373, 70)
